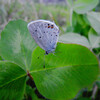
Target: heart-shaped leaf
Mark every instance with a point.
(16, 44)
(62, 75)
(12, 81)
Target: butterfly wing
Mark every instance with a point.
(45, 33)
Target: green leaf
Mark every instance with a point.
(12, 81)
(83, 6)
(74, 38)
(94, 39)
(16, 44)
(60, 76)
(94, 19)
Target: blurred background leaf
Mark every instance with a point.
(83, 6)
(94, 19)
(94, 39)
(0, 58)
(74, 38)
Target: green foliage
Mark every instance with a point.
(93, 42)
(16, 44)
(82, 6)
(80, 24)
(74, 38)
(94, 19)
(12, 81)
(58, 76)
(94, 39)
(65, 73)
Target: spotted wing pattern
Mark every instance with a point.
(45, 34)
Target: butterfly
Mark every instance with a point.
(45, 33)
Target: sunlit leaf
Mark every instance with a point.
(16, 44)
(60, 76)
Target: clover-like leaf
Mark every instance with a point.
(12, 81)
(62, 75)
(16, 44)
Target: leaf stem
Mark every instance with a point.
(28, 74)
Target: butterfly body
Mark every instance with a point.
(45, 33)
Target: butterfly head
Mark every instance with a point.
(49, 51)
